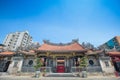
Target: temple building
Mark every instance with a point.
(58, 58)
(115, 56)
(61, 57)
(65, 58)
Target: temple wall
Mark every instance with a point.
(28, 64)
(16, 65)
(93, 61)
(106, 65)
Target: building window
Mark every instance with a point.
(106, 63)
(91, 62)
(30, 63)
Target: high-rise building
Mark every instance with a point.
(17, 40)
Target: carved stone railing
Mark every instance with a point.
(31, 69)
(89, 69)
(94, 69)
(45, 69)
(28, 69)
(76, 69)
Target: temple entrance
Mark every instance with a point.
(60, 65)
(117, 66)
(4, 65)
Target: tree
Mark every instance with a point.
(37, 67)
(38, 64)
(83, 62)
(83, 65)
(88, 45)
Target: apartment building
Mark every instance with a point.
(16, 40)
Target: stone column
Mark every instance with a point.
(10, 68)
(47, 61)
(20, 64)
(73, 61)
(67, 65)
(54, 65)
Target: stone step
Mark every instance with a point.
(60, 75)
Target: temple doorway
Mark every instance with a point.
(4, 65)
(117, 66)
(60, 65)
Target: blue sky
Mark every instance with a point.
(94, 21)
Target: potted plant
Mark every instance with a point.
(83, 64)
(37, 67)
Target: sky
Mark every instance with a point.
(94, 21)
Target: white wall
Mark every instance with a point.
(13, 69)
(106, 69)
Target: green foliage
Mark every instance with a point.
(83, 62)
(38, 63)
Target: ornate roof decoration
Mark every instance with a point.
(31, 52)
(61, 44)
(61, 47)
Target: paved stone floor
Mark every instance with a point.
(55, 78)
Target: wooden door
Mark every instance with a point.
(60, 65)
(60, 69)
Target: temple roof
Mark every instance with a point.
(30, 52)
(61, 47)
(93, 52)
(7, 53)
(114, 53)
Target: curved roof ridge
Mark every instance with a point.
(60, 44)
(73, 46)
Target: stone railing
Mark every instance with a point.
(45, 69)
(28, 69)
(76, 69)
(89, 69)
(31, 69)
(94, 69)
